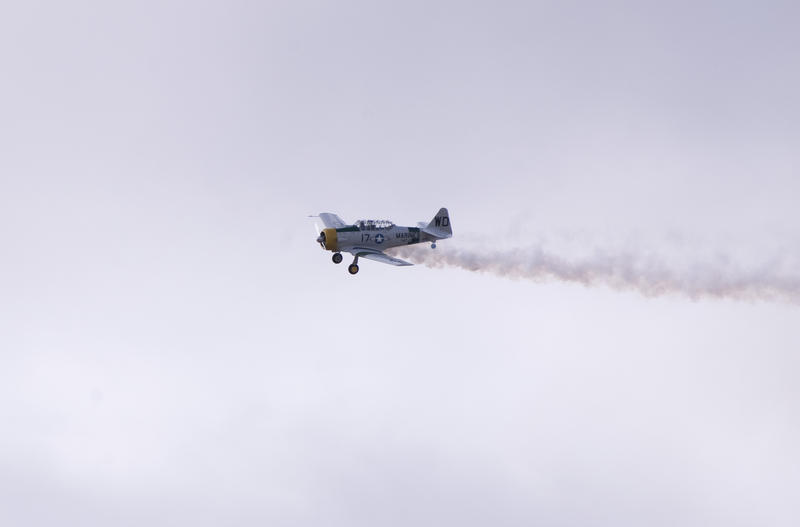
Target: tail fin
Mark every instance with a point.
(440, 225)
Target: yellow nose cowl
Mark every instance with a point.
(331, 239)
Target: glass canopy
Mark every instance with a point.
(373, 225)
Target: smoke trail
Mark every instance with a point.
(649, 276)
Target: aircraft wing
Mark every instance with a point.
(331, 221)
(372, 254)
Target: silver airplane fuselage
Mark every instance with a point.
(370, 238)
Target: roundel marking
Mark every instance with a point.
(379, 238)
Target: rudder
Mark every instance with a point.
(440, 224)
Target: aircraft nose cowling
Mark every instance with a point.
(329, 240)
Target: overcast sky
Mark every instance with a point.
(176, 349)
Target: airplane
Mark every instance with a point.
(369, 238)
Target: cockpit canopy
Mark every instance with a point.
(373, 225)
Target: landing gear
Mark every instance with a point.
(353, 268)
(433, 245)
(337, 258)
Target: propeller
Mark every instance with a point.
(321, 235)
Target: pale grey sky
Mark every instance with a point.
(175, 348)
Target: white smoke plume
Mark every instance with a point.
(651, 276)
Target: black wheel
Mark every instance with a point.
(353, 268)
(337, 258)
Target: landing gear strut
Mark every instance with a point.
(337, 258)
(353, 268)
